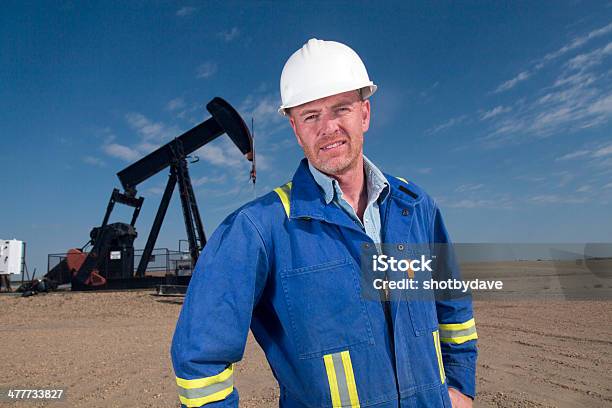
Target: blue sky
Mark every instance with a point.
(502, 112)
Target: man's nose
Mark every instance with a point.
(330, 124)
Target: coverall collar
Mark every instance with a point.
(307, 200)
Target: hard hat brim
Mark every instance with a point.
(367, 90)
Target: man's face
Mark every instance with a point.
(330, 131)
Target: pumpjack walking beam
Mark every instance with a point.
(224, 119)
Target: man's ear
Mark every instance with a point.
(365, 115)
(293, 126)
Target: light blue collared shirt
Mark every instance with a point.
(378, 190)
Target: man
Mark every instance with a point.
(287, 266)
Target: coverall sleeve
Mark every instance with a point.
(457, 330)
(214, 322)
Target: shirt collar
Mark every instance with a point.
(325, 182)
(377, 184)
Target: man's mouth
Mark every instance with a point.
(333, 145)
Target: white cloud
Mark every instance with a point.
(598, 153)
(263, 108)
(189, 113)
(572, 45)
(601, 106)
(603, 151)
(556, 199)
(155, 190)
(106, 134)
(229, 35)
(208, 180)
(285, 143)
(583, 189)
(606, 164)
(94, 161)
(511, 83)
(565, 177)
(574, 155)
(446, 125)
(424, 170)
(499, 203)
(581, 79)
(222, 153)
(206, 70)
(574, 93)
(146, 147)
(185, 11)
(152, 135)
(427, 93)
(261, 161)
(468, 187)
(587, 60)
(609, 185)
(533, 179)
(121, 152)
(149, 129)
(498, 110)
(175, 104)
(576, 43)
(576, 100)
(550, 118)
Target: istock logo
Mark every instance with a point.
(383, 263)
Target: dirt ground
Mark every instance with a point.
(112, 350)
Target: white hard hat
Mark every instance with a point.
(319, 69)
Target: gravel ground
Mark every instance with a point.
(112, 350)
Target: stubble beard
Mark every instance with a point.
(337, 165)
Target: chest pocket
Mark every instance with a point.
(325, 308)
(423, 316)
(418, 304)
(421, 306)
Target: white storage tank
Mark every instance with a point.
(11, 257)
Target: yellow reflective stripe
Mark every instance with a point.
(459, 339)
(402, 179)
(283, 194)
(203, 382)
(198, 402)
(341, 378)
(458, 333)
(458, 326)
(436, 338)
(333, 382)
(350, 379)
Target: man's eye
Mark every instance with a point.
(343, 110)
(310, 118)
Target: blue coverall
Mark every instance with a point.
(287, 266)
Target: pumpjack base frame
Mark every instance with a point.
(171, 290)
(146, 282)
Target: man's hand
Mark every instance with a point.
(458, 399)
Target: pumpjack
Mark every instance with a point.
(109, 264)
